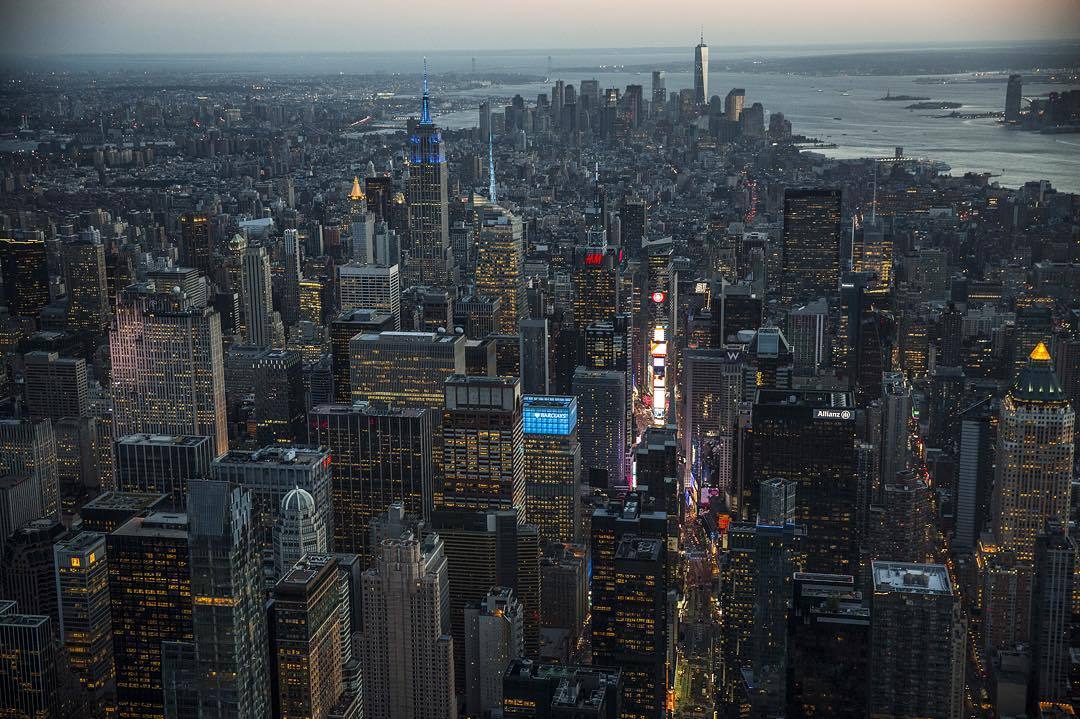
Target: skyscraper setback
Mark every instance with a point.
(430, 256)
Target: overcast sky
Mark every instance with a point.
(130, 26)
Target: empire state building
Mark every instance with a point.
(430, 259)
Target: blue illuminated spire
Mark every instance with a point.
(425, 105)
(491, 171)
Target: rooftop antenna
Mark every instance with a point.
(702, 34)
(425, 104)
(596, 173)
(491, 170)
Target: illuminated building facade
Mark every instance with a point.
(150, 594)
(373, 287)
(404, 369)
(811, 241)
(342, 330)
(713, 387)
(311, 304)
(380, 456)
(483, 452)
(430, 259)
(168, 372)
(500, 258)
(1034, 457)
(306, 648)
(259, 301)
(84, 275)
(552, 466)
(29, 676)
(594, 277)
(28, 447)
(24, 269)
(82, 589)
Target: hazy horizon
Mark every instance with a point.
(60, 27)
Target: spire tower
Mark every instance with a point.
(491, 170)
(425, 104)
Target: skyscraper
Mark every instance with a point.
(701, 73)
(82, 589)
(494, 636)
(28, 447)
(55, 386)
(734, 102)
(299, 530)
(373, 287)
(24, 270)
(1034, 457)
(918, 641)
(279, 408)
(1014, 92)
(430, 257)
(483, 454)
(293, 275)
(228, 613)
(380, 456)
(84, 276)
(408, 654)
(811, 244)
(532, 690)
(29, 676)
(259, 301)
(552, 466)
(306, 646)
(196, 242)
(1051, 612)
(404, 369)
(342, 329)
(809, 437)
(168, 372)
(500, 258)
(162, 464)
(150, 593)
(602, 430)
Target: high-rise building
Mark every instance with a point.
(564, 598)
(292, 277)
(430, 257)
(713, 389)
(828, 647)
(197, 242)
(1051, 612)
(269, 474)
(806, 331)
(639, 642)
(27, 571)
(533, 690)
(734, 102)
(918, 642)
(535, 356)
(494, 636)
(259, 301)
(1034, 457)
(84, 276)
(809, 437)
(150, 593)
(55, 386)
(405, 369)
(659, 87)
(228, 614)
(372, 287)
(811, 244)
(111, 510)
(24, 270)
(306, 647)
(168, 373)
(280, 403)
(701, 73)
(595, 274)
(298, 531)
(1014, 95)
(552, 466)
(483, 452)
(380, 456)
(29, 674)
(408, 654)
(28, 447)
(82, 590)
(20, 503)
(342, 330)
(602, 429)
(484, 550)
(500, 258)
(162, 464)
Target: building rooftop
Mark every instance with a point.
(133, 501)
(912, 578)
(275, 454)
(639, 548)
(186, 440)
(159, 525)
